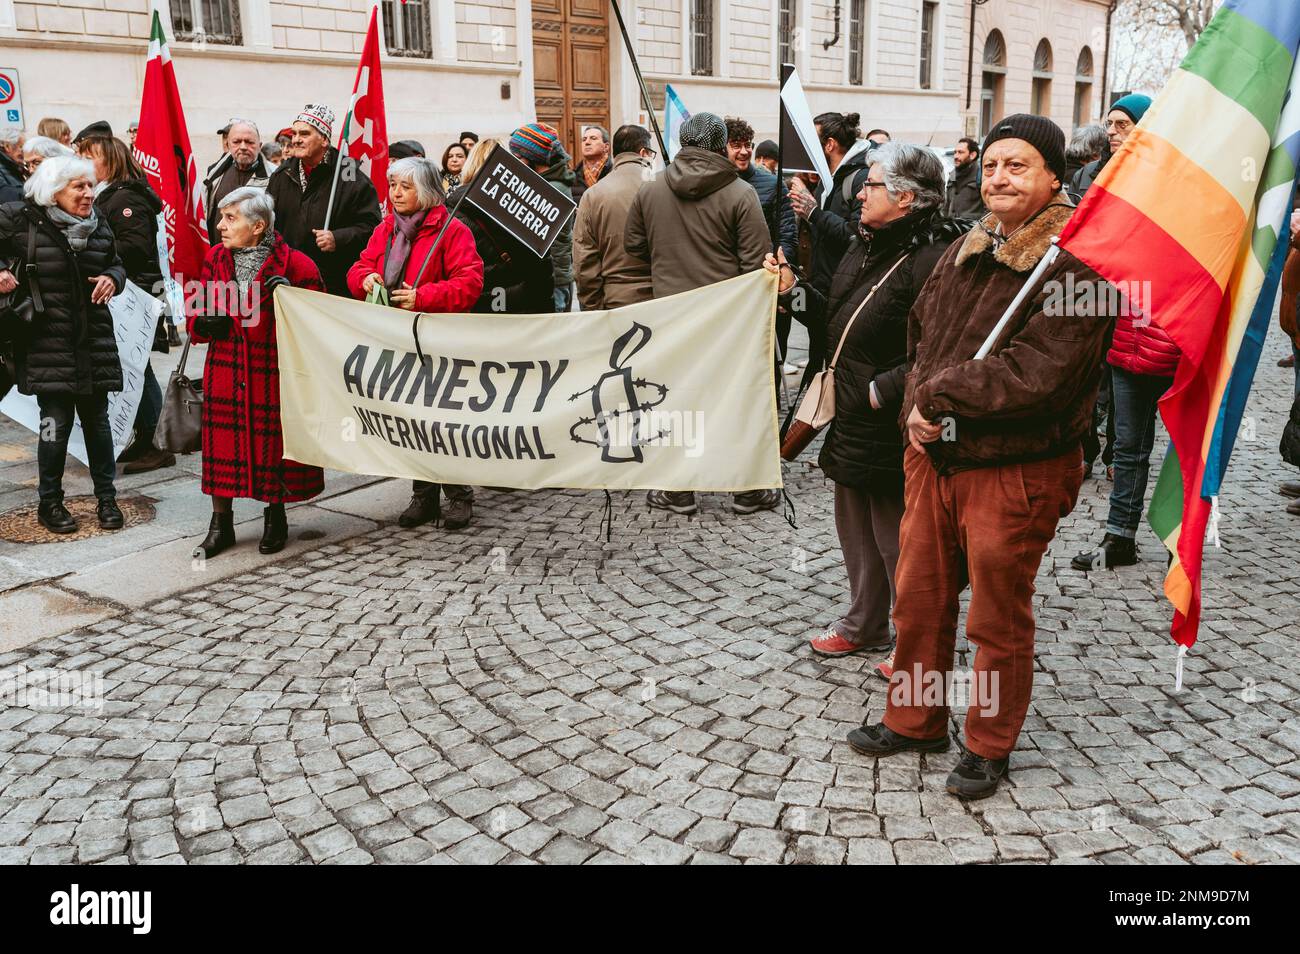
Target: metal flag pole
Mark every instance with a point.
(645, 93)
(338, 167)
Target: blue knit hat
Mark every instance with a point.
(1134, 104)
(534, 143)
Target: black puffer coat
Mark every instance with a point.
(72, 348)
(131, 209)
(863, 446)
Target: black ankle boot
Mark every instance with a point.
(275, 529)
(54, 517)
(1115, 551)
(221, 536)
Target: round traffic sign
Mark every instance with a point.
(6, 89)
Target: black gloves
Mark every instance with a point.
(213, 327)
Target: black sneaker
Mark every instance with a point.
(682, 502)
(54, 517)
(110, 517)
(976, 776)
(1115, 551)
(421, 509)
(456, 513)
(879, 740)
(752, 501)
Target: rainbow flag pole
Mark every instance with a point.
(1195, 205)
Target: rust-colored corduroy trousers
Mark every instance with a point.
(990, 526)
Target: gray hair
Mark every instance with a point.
(1087, 143)
(45, 147)
(252, 203)
(54, 175)
(10, 136)
(908, 168)
(244, 122)
(424, 175)
(604, 133)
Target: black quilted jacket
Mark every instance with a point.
(863, 446)
(72, 348)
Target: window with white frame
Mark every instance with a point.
(206, 21)
(701, 37)
(929, 16)
(857, 40)
(406, 27)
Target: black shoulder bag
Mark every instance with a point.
(18, 311)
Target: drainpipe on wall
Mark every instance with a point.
(1105, 69)
(827, 44)
(970, 51)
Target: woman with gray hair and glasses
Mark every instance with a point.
(243, 448)
(901, 235)
(397, 260)
(57, 252)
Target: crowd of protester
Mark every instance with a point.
(947, 472)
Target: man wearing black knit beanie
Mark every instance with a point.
(994, 461)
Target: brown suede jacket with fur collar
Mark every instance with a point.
(1032, 397)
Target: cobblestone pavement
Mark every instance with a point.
(528, 692)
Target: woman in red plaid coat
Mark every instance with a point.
(243, 450)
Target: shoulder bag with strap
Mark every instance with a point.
(817, 409)
(18, 311)
(180, 423)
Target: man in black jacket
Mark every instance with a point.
(334, 237)
(242, 164)
(962, 199)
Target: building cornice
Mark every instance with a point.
(181, 50)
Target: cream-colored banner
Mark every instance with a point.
(673, 394)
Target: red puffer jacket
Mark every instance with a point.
(1142, 347)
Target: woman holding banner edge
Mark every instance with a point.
(423, 262)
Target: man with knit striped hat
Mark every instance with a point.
(301, 189)
(538, 144)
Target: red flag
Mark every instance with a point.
(365, 128)
(162, 147)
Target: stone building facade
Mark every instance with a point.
(908, 66)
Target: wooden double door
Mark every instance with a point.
(571, 49)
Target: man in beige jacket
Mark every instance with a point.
(607, 276)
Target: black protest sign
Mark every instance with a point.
(520, 201)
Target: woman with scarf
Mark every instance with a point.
(453, 161)
(67, 357)
(447, 282)
(243, 449)
(901, 236)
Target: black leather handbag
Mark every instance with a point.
(18, 311)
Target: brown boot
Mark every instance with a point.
(151, 459)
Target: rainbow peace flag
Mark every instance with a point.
(1194, 204)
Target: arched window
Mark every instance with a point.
(994, 82)
(1040, 98)
(1083, 79)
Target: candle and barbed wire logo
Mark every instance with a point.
(623, 419)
